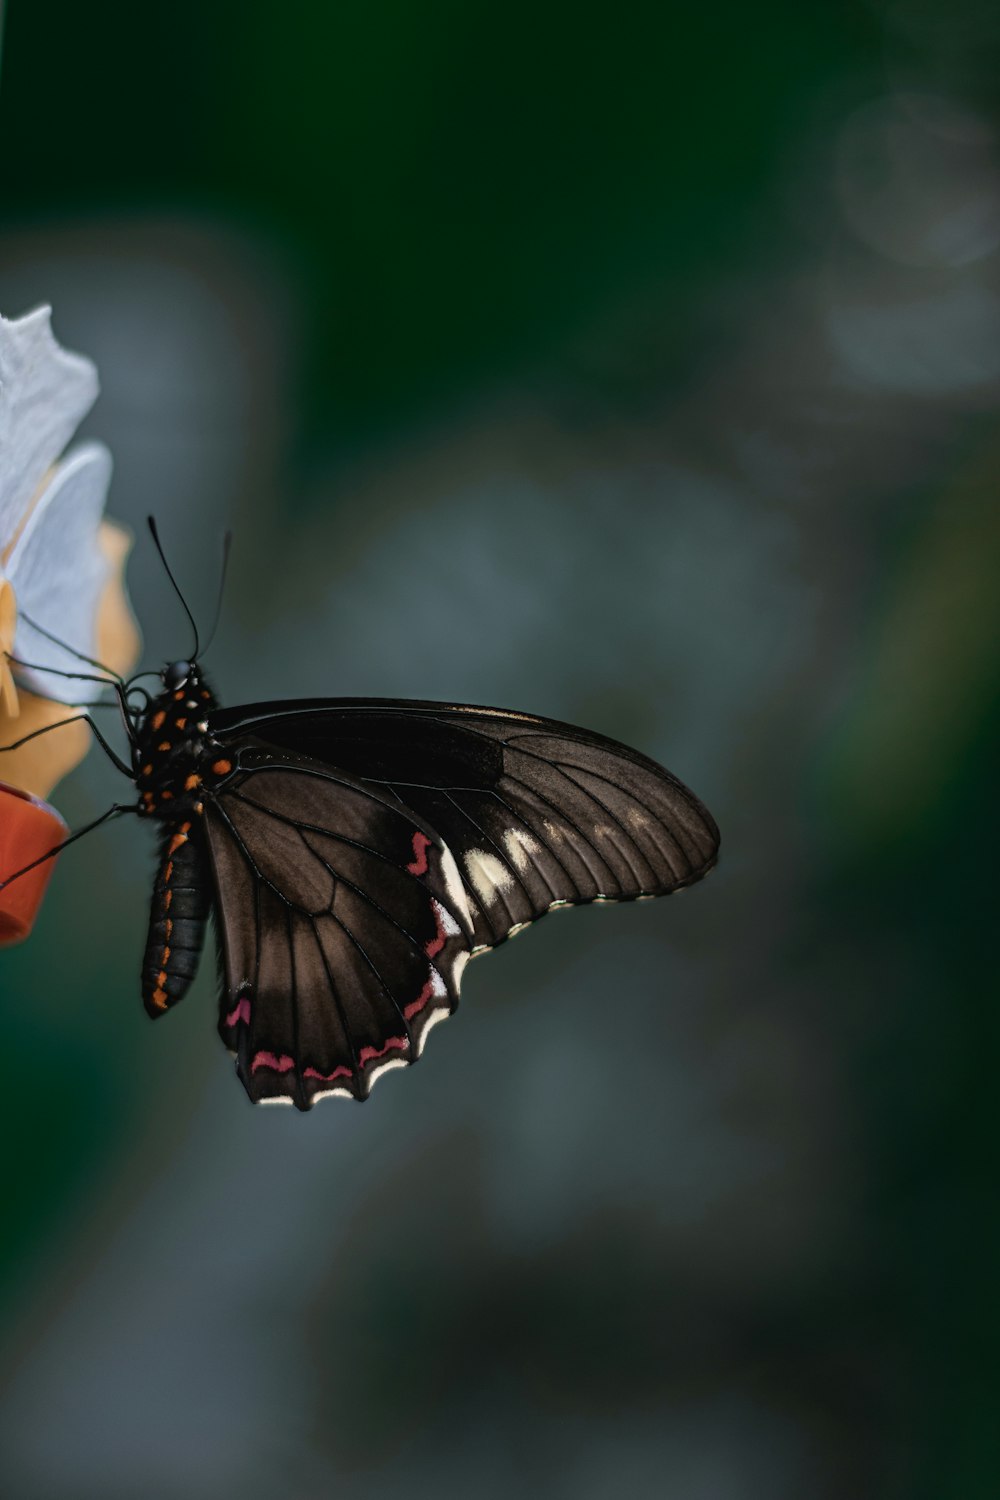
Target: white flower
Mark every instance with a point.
(53, 563)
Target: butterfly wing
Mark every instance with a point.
(537, 814)
(344, 927)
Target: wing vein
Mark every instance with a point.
(298, 1088)
(485, 836)
(513, 812)
(358, 890)
(610, 812)
(660, 823)
(342, 838)
(335, 997)
(378, 975)
(509, 775)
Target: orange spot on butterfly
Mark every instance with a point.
(191, 782)
(160, 999)
(147, 771)
(180, 723)
(161, 978)
(222, 767)
(158, 718)
(176, 842)
(168, 872)
(164, 746)
(167, 900)
(167, 796)
(166, 955)
(178, 695)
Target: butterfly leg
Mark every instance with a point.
(117, 683)
(73, 719)
(113, 812)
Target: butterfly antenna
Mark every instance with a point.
(227, 542)
(176, 586)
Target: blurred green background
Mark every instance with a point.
(661, 345)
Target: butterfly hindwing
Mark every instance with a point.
(344, 927)
(537, 814)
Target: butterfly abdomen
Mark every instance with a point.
(181, 901)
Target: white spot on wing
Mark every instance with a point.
(521, 847)
(331, 1094)
(487, 874)
(454, 889)
(448, 924)
(438, 986)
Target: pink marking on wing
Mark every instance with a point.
(282, 1064)
(418, 1004)
(241, 1013)
(441, 937)
(421, 844)
(340, 1072)
(394, 1044)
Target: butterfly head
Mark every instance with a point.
(176, 674)
(184, 684)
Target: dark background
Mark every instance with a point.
(637, 365)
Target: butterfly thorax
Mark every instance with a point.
(173, 745)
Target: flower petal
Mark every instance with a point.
(59, 572)
(44, 393)
(37, 766)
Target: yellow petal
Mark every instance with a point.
(39, 765)
(8, 625)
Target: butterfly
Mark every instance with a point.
(355, 853)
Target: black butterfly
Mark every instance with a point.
(356, 852)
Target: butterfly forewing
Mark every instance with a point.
(537, 814)
(345, 927)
